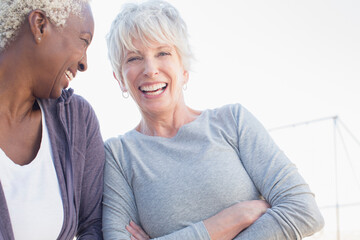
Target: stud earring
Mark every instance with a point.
(39, 38)
(185, 86)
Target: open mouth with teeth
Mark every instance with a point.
(69, 75)
(154, 89)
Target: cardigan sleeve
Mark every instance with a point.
(294, 213)
(90, 210)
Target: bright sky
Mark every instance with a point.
(286, 61)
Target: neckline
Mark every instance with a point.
(136, 133)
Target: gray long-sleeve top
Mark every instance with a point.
(78, 154)
(170, 185)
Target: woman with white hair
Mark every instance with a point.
(51, 149)
(188, 174)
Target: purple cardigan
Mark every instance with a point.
(78, 152)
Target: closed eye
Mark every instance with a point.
(86, 41)
(131, 59)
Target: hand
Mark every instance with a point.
(136, 232)
(231, 221)
(250, 211)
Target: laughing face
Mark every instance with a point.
(154, 77)
(64, 53)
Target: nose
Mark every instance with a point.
(150, 68)
(82, 64)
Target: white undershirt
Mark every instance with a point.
(32, 194)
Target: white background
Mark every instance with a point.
(286, 61)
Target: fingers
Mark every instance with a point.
(137, 233)
(139, 229)
(259, 204)
(266, 203)
(249, 211)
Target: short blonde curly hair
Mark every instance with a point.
(14, 12)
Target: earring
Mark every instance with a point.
(125, 94)
(185, 86)
(39, 38)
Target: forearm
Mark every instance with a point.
(90, 223)
(293, 220)
(265, 228)
(93, 231)
(224, 225)
(195, 231)
(90, 208)
(294, 213)
(234, 219)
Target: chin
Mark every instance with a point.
(55, 95)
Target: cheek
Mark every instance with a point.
(79, 53)
(130, 76)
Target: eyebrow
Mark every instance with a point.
(132, 52)
(158, 48)
(165, 46)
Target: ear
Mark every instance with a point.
(39, 24)
(120, 82)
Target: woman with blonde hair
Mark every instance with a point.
(188, 174)
(51, 149)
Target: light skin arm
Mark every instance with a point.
(293, 213)
(232, 220)
(222, 226)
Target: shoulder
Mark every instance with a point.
(233, 117)
(72, 110)
(229, 112)
(114, 144)
(76, 102)
(68, 99)
(238, 111)
(128, 139)
(77, 106)
(231, 108)
(117, 155)
(113, 141)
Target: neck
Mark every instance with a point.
(16, 97)
(166, 124)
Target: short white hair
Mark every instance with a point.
(151, 21)
(14, 12)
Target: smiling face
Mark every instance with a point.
(62, 53)
(154, 76)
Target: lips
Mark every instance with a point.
(153, 89)
(69, 75)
